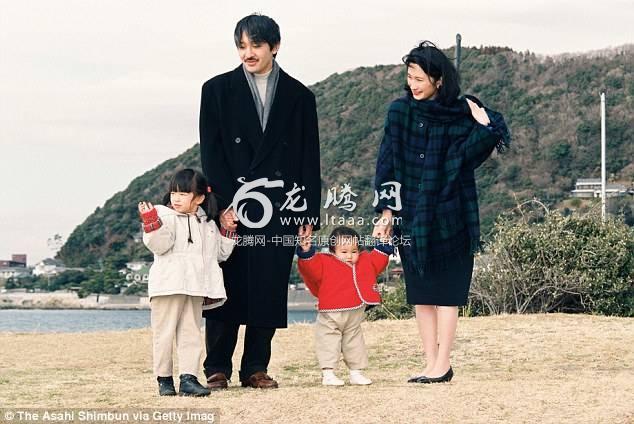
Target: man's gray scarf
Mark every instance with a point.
(264, 108)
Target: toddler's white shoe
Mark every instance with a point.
(359, 379)
(330, 379)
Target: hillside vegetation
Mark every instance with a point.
(551, 105)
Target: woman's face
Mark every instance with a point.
(422, 85)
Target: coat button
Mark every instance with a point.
(238, 140)
(277, 204)
(278, 174)
(420, 125)
(422, 156)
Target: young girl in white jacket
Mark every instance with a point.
(187, 246)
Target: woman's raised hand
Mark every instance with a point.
(478, 113)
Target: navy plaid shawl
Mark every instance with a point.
(433, 151)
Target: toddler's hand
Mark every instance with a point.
(305, 242)
(383, 226)
(305, 233)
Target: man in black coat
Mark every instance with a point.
(259, 145)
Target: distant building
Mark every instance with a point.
(137, 265)
(16, 261)
(139, 274)
(49, 267)
(591, 187)
(7, 272)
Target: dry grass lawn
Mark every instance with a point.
(532, 368)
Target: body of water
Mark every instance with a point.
(87, 320)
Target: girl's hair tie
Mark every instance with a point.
(208, 189)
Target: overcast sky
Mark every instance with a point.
(94, 93)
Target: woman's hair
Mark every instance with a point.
(259, 29)
(340, 233)
(435, 64)
(191, 181)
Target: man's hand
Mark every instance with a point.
(229, 219)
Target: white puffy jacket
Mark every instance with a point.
(181, 267)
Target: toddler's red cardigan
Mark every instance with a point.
(340, 286)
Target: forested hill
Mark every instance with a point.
(551, 105)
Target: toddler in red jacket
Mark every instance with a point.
(344, 282)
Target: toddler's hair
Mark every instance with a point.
(341, 235)
(191, 181)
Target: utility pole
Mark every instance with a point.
(603, 199)
(458, 40)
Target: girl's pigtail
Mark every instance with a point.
(211, 204)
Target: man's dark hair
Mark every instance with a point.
(259, 29)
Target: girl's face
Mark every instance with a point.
(422, 85)
(184, 202)
(347, 249)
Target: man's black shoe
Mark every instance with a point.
(166, 386)
(191, 387)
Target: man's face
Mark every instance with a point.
(257, 57)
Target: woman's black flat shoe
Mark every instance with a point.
(442, 379)
(415, 379)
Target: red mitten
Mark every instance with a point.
(151, 220)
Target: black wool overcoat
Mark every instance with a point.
(233, 147)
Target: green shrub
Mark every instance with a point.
(575, 202)
(393, 306)
(574, 263)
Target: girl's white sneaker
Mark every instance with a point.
(359, 379)
(330, 379)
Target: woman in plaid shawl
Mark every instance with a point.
(433, 142)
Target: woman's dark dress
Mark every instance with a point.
(433, 151)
